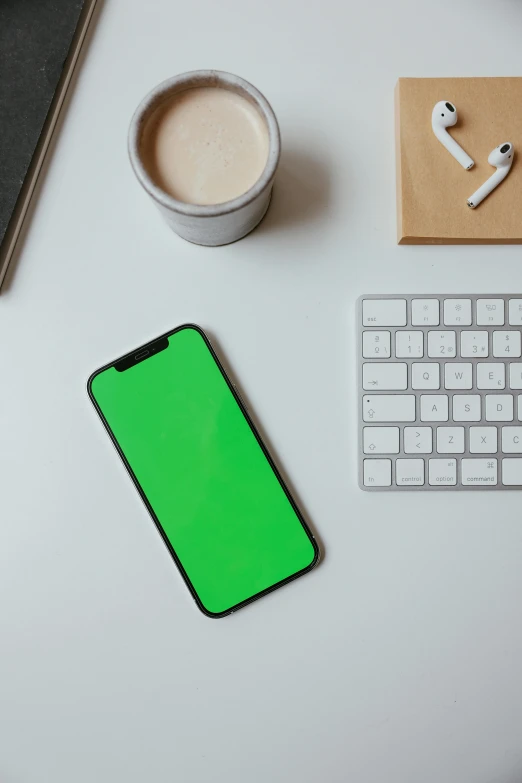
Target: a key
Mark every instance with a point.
(409, 345)
(515, 312)
(519, 407)
(457, 312)
(383, 376)
(418, 440)
(377, 472)
(376, 345)
(491, 376)
(515, 375)
(434, 407)
(512, 471)
(450, 440)
(512, 440)
(441, 344)
(483, 440)
(466, 407)
(425, 375)
(474, 345)
(389, 407)
(409, 472)
(442, 472)
(478, 472)
(458, 375)
(381, 440)
(490, 312)
(506, 344)
(425, 312)
(499, 407)
(384, 312)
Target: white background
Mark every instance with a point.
(399, 659)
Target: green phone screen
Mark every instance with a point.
(202, 470)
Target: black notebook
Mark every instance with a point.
(39, 44)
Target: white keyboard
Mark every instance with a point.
(440, 392)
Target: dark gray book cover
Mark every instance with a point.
(35, 38)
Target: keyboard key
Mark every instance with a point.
(512, 472)
(458, 376)
(409, 345)
(418, 440)
(515, 312)
(474, 344)
(425, 312)
(466, 407)
(384, 312)
(515, 375)
(491, 376)
(490, 312)
(377, 472)
(385, 376)
(425, 375)
(389, 407)
(519, 407)
(409, 472)
(450, 440)
(506, 344)
(434, 407)
(376, 345)
(483, 440)
(512, 440)
(499, 407)
(441, 345)
(457, 312)
(478, 472)
(442, 472)
(381, 440)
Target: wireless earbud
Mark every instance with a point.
(444, 116)
(502, 159)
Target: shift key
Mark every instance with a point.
(389, 407)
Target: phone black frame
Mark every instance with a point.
(143, 352)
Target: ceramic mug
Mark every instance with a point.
(213, 224)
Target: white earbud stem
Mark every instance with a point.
(444, 116)
(502, 158)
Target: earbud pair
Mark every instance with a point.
(444, 116)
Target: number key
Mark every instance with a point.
(506, 343)
(409, 344)
(441, 344)
(474, 344)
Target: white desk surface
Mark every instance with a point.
(399, 659)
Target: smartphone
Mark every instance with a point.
(202, 470)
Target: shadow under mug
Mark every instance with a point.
(213, 224)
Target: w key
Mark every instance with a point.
(385, 377)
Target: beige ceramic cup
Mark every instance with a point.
(214, 224)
